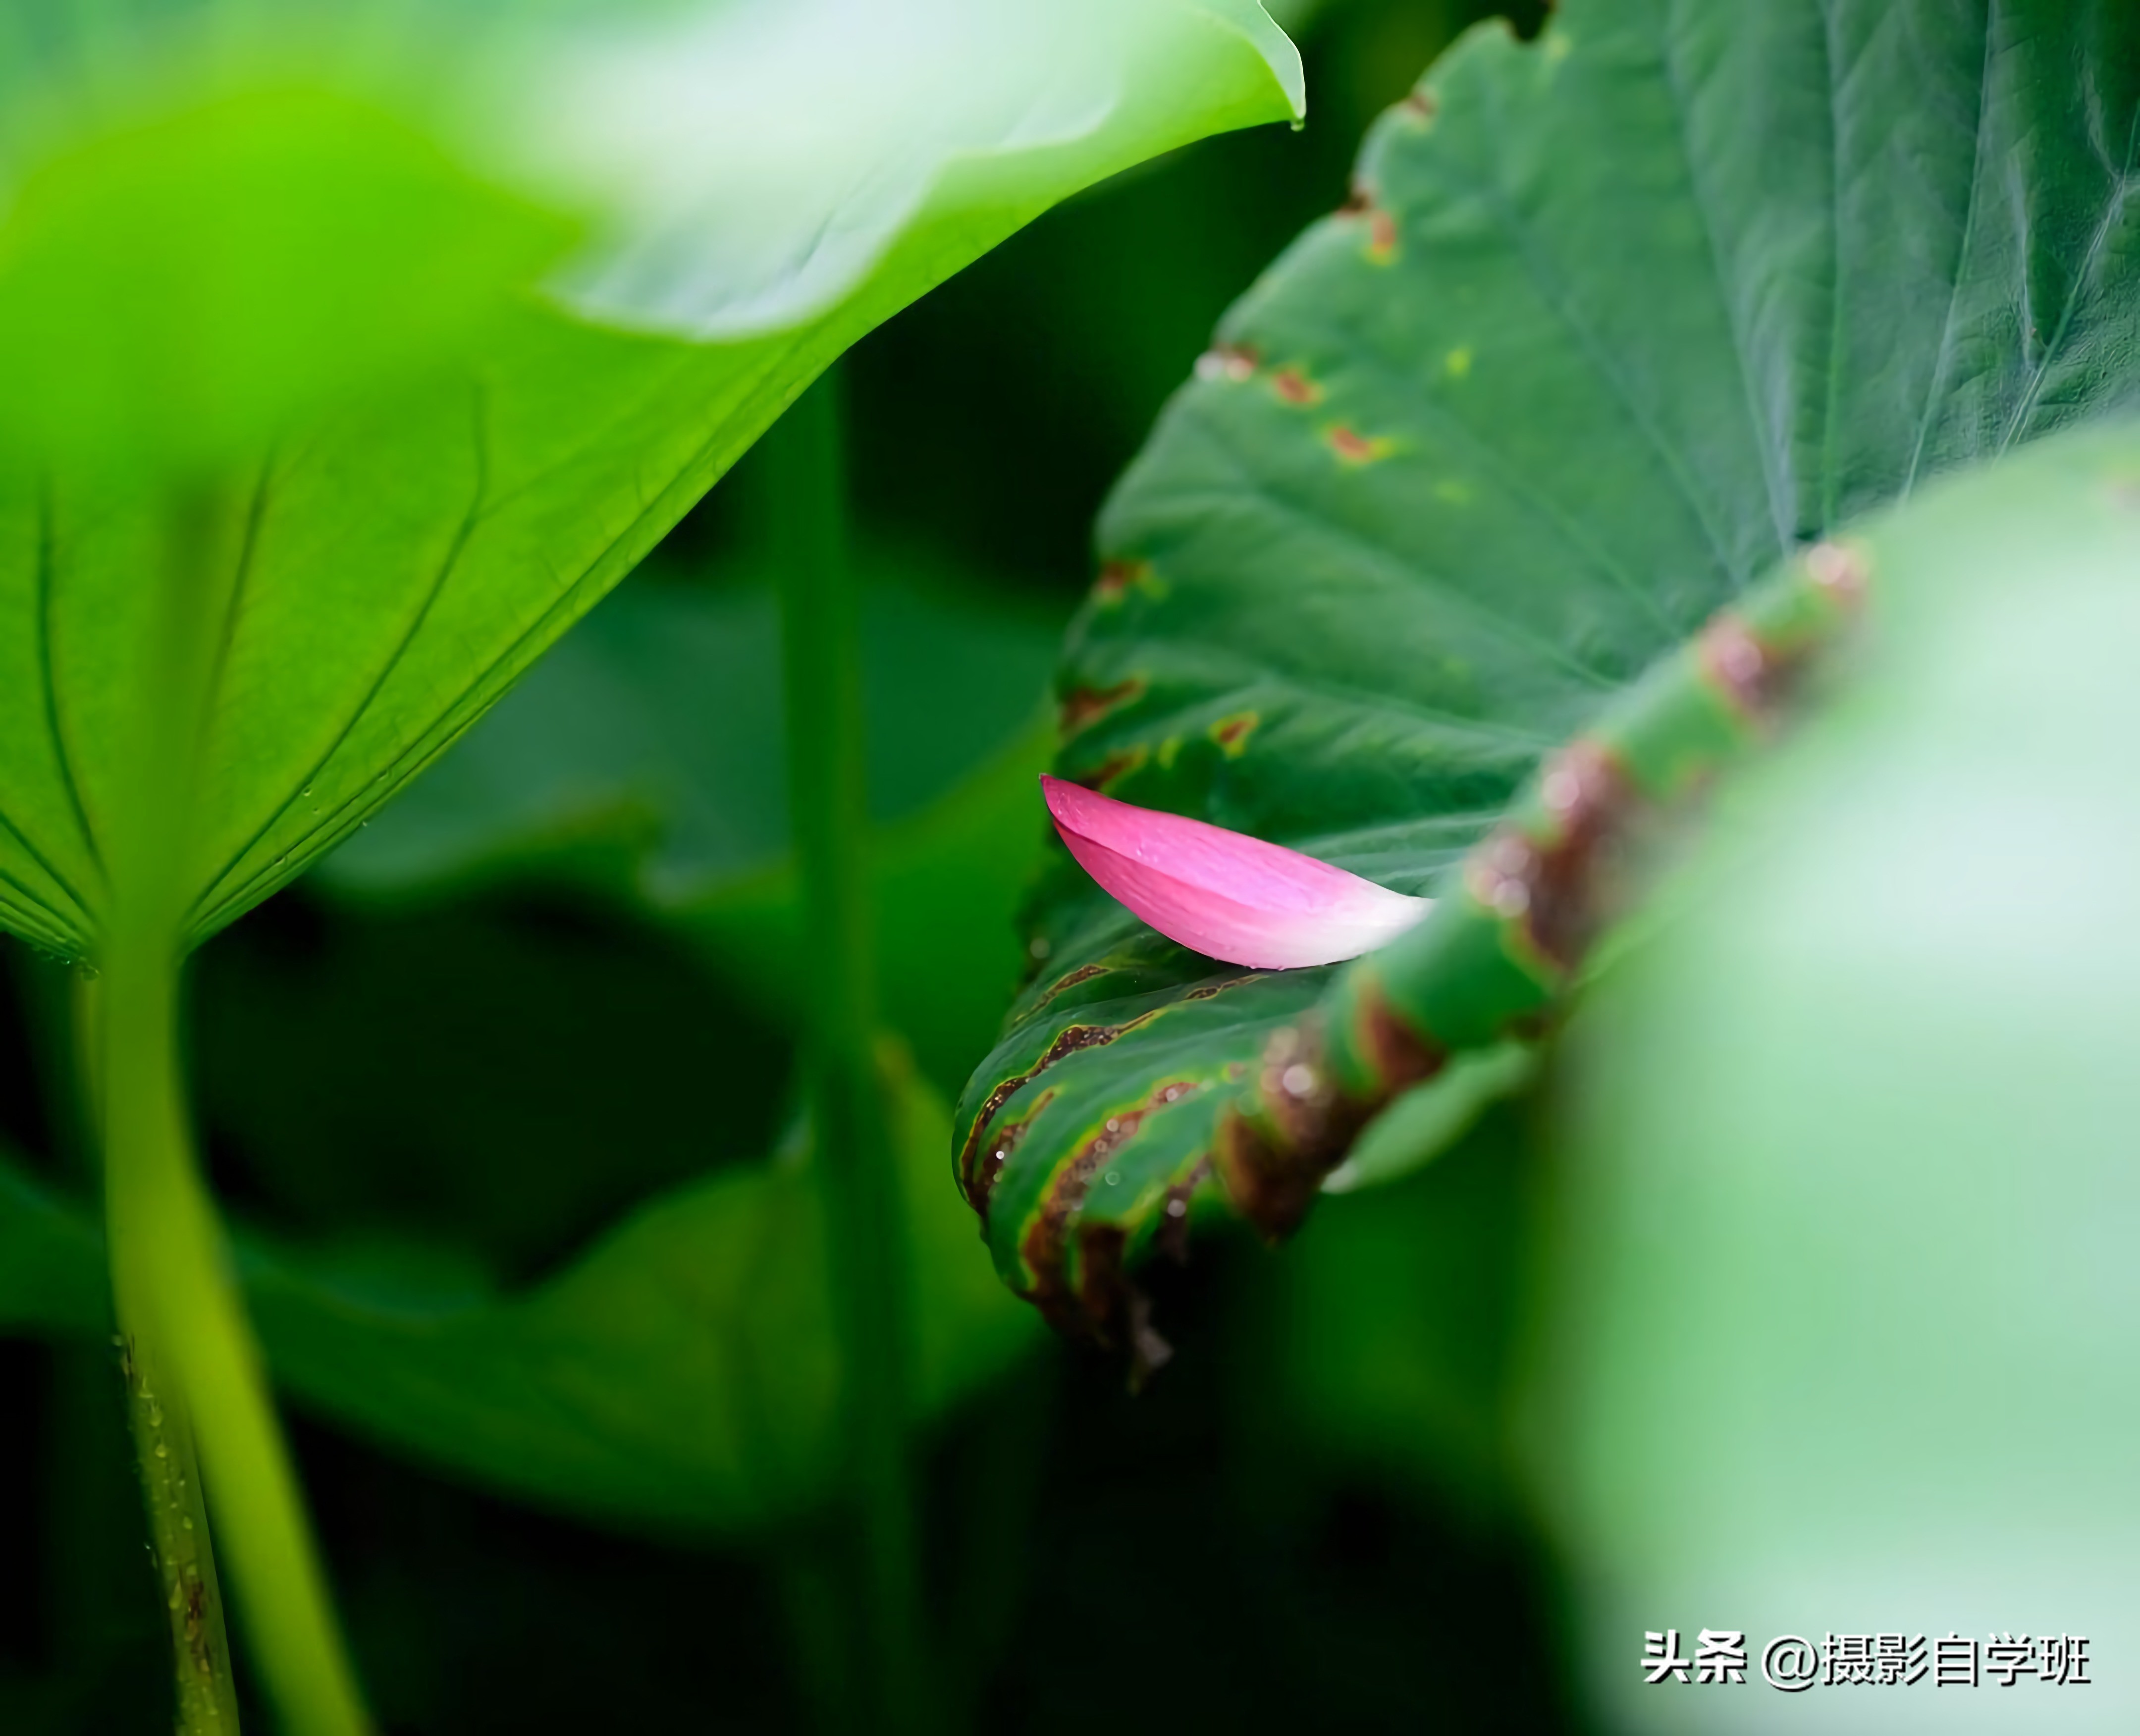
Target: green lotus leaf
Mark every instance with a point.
(335, 401)
(1615, 320)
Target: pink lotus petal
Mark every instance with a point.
(1224, 893)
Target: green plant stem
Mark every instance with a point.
(178, 1539)
(196, 1380)
(196, 1383)
(820, 639)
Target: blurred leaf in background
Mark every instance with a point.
(641, 766)
(678, 1374)
(1839, 1305)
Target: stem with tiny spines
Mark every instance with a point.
(179, 1538)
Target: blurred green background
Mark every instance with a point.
(556, 980)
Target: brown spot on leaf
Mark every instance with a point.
(1590, 800)
(1116, 766)
(1087, 1311)
(982, 1178)
(1101, 1284)
(1084, 973)
(1422, 102)
(1082, 707)
(1232, 732)
(1294, 387)
(1381, 236)
(1297, 1122)
(1117, 578)
(1401, 1057)
(1069, 1040)
(1352, 448)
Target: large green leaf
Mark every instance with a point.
(279, 345)
(1616, 319)
(1840, 1317)
(681, 1371)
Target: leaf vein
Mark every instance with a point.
(1400, 562)
(1553, 298)
(462, 534)
(1779, 508)
(2113, 210)
(1944, 360)
(48, 583)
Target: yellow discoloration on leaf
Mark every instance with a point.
(1232, 732)
(1169, 750)
(1457, 363)
(1353, 448)
(1381, 247)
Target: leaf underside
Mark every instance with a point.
(391, 546)
(1615, 321)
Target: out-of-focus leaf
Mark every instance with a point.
(1427, 1118)
(385, 518)
(753, 161)
(51, 1260)
(680, 1372)
(642, 763)
(177, 289)
(946, 885)
(1616, 320)
(654, 732)
(1842, 1318)
(506, 1075)
(1396, 1319)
